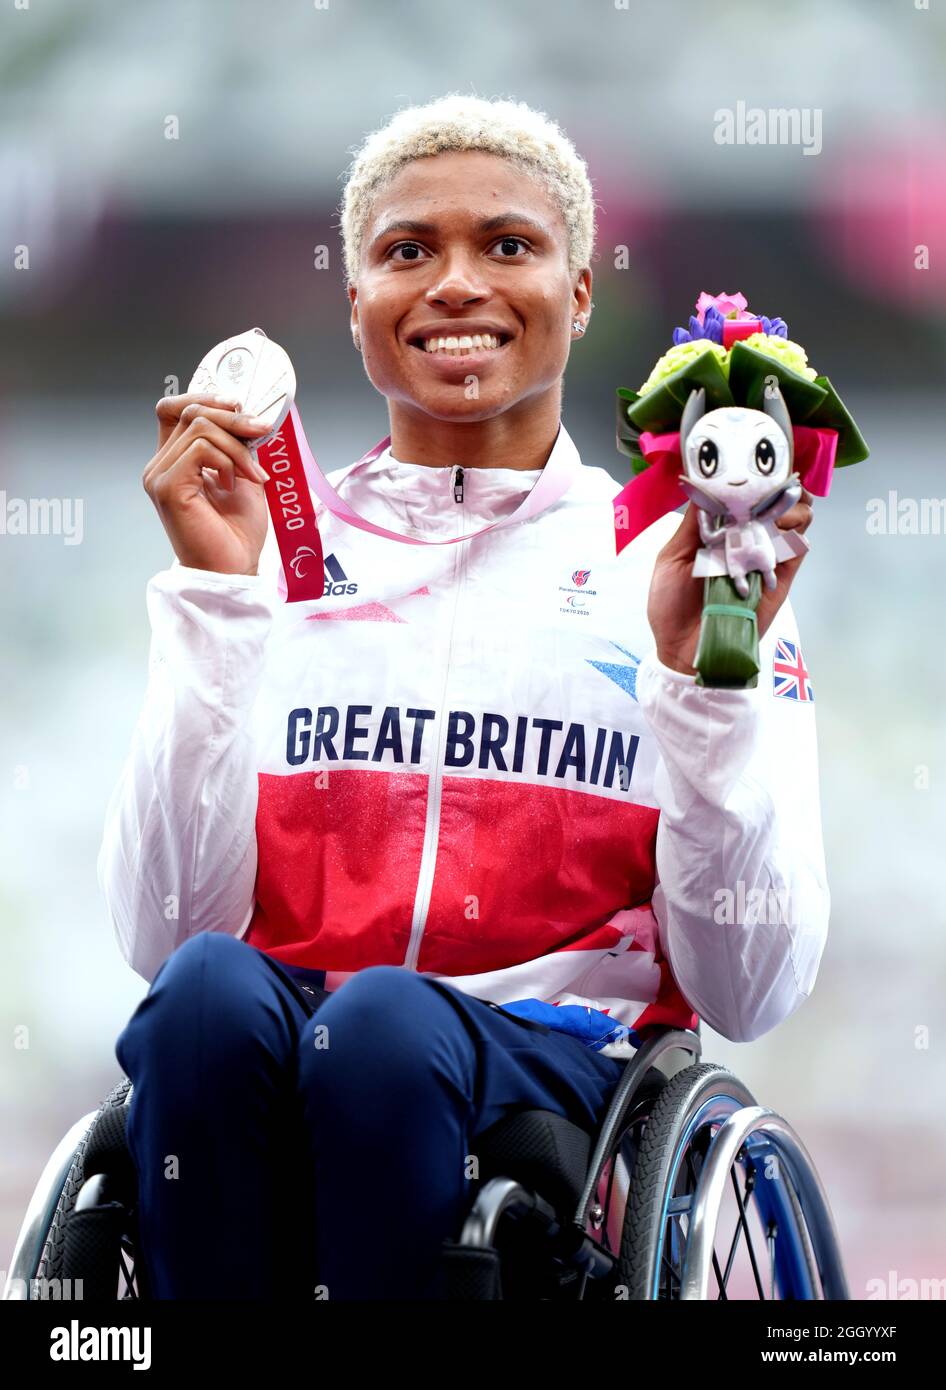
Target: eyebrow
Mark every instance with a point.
(486, 224)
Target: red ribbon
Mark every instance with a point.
(656, 491)
(293, 515)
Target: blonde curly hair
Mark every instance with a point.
(528, 138)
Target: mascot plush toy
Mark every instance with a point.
(739, 473)
(735, 402)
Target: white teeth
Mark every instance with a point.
(459, 345)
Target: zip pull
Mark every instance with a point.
(458, 485)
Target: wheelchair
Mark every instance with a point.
(687, 1190)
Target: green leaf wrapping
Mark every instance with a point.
(727, 654)
(748, 371)
(833, 415)
(659, 409)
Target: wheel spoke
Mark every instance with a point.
(671, 1269)
(720, 1283)
(743, 1223)
(127, 1274)
(770, 1235)
(739, 1223)
(129, 1265)
(732, 1253)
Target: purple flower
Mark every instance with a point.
(711, 328)
(713, 325)
(778, 328)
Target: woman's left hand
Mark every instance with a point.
(675, 603)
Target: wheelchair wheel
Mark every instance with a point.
(52, 1265)
(691, 1230)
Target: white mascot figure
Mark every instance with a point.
(739, 473)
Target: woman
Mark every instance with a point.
(445, 843)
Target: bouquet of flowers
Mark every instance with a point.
(735, 404)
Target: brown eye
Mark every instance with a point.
(511, 244)
(708, 458)
(411, 250)
(765, 456)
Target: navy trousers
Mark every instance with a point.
(298, 1145)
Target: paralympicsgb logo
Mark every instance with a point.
(572, 606)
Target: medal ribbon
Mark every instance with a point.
(294, 475)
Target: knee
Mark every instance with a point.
(381, 1007)
(201, 994)
(213, 965)
(373, 1035)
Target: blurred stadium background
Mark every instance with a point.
(144, 251)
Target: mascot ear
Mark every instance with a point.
(773, 404)
(694, 410)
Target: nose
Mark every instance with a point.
(460, 283)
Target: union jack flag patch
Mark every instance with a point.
(789, 672)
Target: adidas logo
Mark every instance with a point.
(336, 580)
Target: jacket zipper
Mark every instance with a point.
(428, 859)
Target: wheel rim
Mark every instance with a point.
(760, 1249)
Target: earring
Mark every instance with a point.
(578, 326)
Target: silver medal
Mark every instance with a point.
(254, 370)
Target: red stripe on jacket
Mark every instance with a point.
(521, 870)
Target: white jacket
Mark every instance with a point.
(466, 760)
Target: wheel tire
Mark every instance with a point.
(642, 1235)
(51, 1260)
(645, 1097)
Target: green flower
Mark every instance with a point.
(791, 355)
(684, 353)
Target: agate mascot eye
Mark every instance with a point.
(739, 473)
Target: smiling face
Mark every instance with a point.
(737, 456)
(464, 303)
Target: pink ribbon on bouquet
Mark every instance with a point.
(295, 475)
(656, 491)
